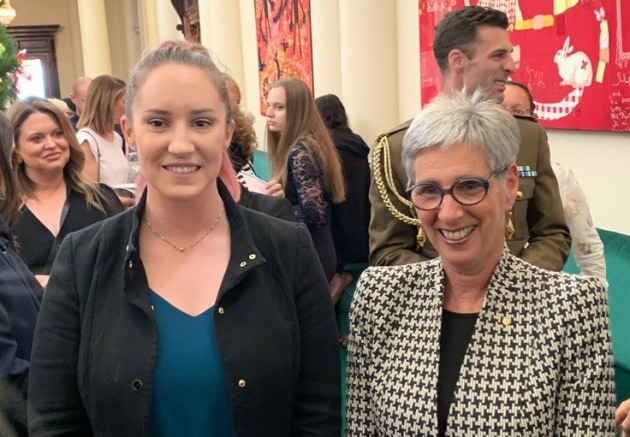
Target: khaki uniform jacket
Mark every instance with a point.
(541, 234)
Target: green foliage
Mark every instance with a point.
(9, 66)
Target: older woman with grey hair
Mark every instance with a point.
(477, 341)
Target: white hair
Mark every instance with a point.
(462, 118)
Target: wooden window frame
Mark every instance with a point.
(39, 42)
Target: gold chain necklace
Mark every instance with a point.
(190, 246)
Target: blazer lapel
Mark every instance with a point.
(501, 373)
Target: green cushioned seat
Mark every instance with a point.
(261, 165)
(343, 322)
(617, 254)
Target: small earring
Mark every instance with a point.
(509, 227)
(17, 158)
(421, 237)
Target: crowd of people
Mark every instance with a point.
(201, 300)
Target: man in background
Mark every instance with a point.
(473, 49)
(79, 94)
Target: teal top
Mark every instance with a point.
(190, 395)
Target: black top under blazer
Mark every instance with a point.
(96, 341)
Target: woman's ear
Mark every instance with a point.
(127, 130)
(229, 133)
(511, 185)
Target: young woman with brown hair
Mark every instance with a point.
(305, 162)
(105, 159)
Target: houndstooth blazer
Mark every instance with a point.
(539, 362)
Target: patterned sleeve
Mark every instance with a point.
(588, 248)
(308, 179)
(359, 412)
(586, 395)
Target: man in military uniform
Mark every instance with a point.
(473, 49)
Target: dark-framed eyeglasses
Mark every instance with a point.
(466, 191)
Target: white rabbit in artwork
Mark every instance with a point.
(575, 70)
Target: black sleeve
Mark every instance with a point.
(55, 407)
(278, 207)
(317, 409)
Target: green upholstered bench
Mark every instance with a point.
(617, 254)
(343, 322)
(261, 165)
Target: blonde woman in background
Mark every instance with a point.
(105, 159)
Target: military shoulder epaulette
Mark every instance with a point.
(400, 127)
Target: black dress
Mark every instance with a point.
(35, 241)
(311, 203)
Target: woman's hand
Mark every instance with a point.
(622, 418)
(273, 188)
(42, 279)
(127, 202)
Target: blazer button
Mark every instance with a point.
(243, 264)
(242, 383)
(252, 256)
(220, 310)
(136, 385)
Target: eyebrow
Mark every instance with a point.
(501, 52)
(435, 182)
(193, 112)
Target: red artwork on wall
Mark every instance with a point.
(574, 55)
(283, 31)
